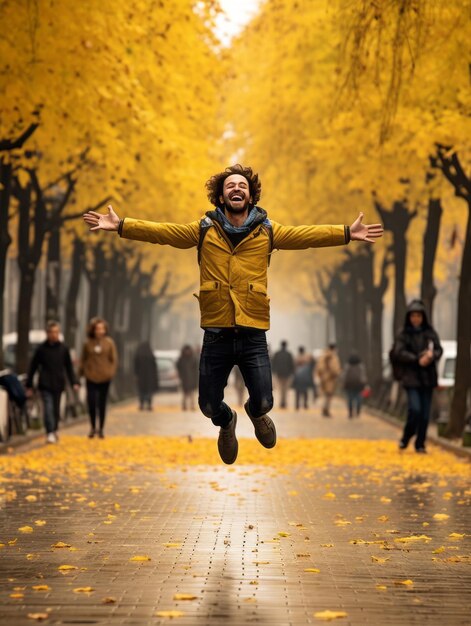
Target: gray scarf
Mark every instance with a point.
(230, 228)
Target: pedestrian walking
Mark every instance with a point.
(328, 371)
(415, 354)
(354, 383)
(187, 367)
(302, 380)
(52, 359)
(234, 243)
(283, 368)
(147, 375)
(98, 364)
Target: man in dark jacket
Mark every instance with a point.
(417, 349)
(52, 359)
(283, 368)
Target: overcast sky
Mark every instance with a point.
(238, 13)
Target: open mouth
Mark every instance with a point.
(237, 198)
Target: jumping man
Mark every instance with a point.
(234, 242)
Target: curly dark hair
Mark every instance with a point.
(215, 184)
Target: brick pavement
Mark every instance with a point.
(387, 536)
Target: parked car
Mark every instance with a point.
(167, 367)
(36, 337)
(446, 380)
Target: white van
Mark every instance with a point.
(446, 365)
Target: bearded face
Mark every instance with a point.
(236, 194)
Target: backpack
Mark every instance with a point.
(397, 368)
(14, 388)
(207, 222)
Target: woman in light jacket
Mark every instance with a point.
(98, 365)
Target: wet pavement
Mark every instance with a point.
(149, 527)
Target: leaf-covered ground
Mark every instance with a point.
(148, 529)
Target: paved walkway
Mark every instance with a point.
(148, 527)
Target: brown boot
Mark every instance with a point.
(228, 445)
(265, 430)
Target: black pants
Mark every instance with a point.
(97, 394)
(220, 352)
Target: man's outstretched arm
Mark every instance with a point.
(165, 233)
(301, 237)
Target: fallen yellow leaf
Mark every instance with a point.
(171, 544)
(41, 588)
(31, 498)
(184, 596)
(40, 522)
(38, 616)
(379, 559)
(413, 538)
(330, 615)
(406, 583)
(140, 557)
(381, 587)
(84, 590)
(17, 596)
(312, 570)
(60, 544)
(170, 614)
(66, 568)
(441, 516)
(26, 529)
(456, 536)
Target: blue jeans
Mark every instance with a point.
(418, 415)
(354, 402)
(220, 352)
(51, 404)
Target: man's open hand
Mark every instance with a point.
(96, 221)
(365, 232)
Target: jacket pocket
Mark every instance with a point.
(210, 296)
(257, 299)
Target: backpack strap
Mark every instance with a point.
(267, 226)
(205, 225)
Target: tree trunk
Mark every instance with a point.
(432, 231)
(29, 255)
(453, 171)
(5, 240)
(374, 295)
(95, 276)
(25, 299)
(53, 274)
(397, 221)
(71, 321)
(463, 358)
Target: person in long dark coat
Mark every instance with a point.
(417, 349)
(147, 377)
(187, 366)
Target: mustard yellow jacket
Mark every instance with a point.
(233, 280)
